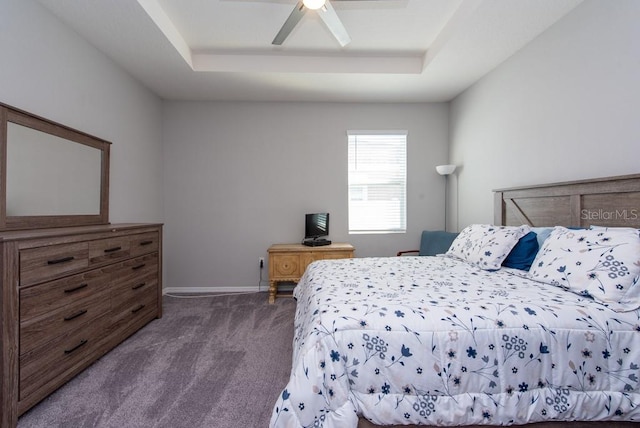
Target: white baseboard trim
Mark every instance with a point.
(212, 290)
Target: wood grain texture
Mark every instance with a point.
(38, 332)
(21, 117)
(287, 262)
(9, 334)
(41, 264)
(608, 201)
(41, 299)
(57, 318)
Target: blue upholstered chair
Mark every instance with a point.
(432, 242)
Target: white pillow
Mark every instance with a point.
(600, 263)
(486, 245)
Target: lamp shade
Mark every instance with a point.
(445, 169)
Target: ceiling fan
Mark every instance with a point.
(326, 12)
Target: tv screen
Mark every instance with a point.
(316, 225)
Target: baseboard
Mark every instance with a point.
(212, 290)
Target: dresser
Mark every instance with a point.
(69, 295)
(287, 262)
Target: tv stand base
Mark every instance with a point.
(316, 242)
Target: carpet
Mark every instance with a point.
(208, 362)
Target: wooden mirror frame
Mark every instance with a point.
(13, 115)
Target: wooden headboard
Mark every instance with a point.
(610, 201)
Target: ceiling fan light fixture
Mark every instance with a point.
(313, 4)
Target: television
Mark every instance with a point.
(316, 227)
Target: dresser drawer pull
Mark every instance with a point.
(76, 315)
(142, 284)
(79, 287)
(139, 266)
(111, 250)
(82, 342)
(62, 260)
(133, 311)
(146, 243)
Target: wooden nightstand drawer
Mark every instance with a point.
(336, 255)
(41, 264)
(285, 266)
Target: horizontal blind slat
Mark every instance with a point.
(377, 182)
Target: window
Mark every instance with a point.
(377, 181)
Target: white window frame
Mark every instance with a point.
(373, 177)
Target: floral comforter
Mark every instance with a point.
(436, 341)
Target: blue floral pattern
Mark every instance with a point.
(486, 245)
(602, 263)
(437, 341)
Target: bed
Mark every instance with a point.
(461, 339)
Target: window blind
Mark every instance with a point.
(377, 181)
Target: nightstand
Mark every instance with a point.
(287, 262)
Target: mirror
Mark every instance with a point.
(53, 176)
(48, 175)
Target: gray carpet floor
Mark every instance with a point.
(208, 362)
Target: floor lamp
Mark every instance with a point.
(446, 170)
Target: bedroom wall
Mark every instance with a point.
(48, 70)
(239, 176)
(563, 108)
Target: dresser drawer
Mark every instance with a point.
(41, 264)
(131, 290)
(43, 298)
(133, 270)
(38, 331)
(132, 314)
(108, 250)
(144, 243)
(66, 354)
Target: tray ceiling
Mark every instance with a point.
(400, 50)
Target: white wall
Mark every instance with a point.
(240, 177)
(48, 70)
(563, 108)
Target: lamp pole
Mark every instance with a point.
(446, 171)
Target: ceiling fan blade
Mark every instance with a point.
(330, 17)
(296, 14)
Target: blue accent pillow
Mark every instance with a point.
(523, 254)
(543, 233)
